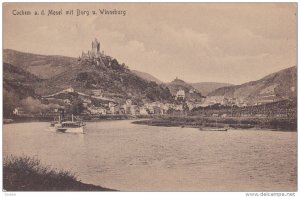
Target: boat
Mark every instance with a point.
(64, 126)
(70, 127)
(216, 128)
(213, 129)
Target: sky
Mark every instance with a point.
(196, 42)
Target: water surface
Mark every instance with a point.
(129, 157)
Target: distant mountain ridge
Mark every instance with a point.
(147, 76)
(27, 74)
(203, 87)
(273, 87)
(206, 87)
(56, 65)
(38, 64)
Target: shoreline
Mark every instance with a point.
(229, 123)
(24, 119)
(258, 123)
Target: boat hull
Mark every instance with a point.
(70, 130)
(212, 129)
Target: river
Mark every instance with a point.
(130, 157)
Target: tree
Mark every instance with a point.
(76, 107)
(10, 102)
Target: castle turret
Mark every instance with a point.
(94, 52)
(94, 43)
(96, 48)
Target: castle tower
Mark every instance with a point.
(94, 53)
(94, 43)
(98, 47)
(95, 48)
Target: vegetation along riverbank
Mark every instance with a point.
(228, 122)
(27, 174)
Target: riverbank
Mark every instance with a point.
(218, 122)
(27, 174)
(86, 118)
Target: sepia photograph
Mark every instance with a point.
(150, 97)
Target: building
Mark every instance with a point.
(134, 110)
(70, 89)
(19, 111)
(223, 115)
(190, 105)
(157, 110)
(266, 99)
(150, 109)
(127, 106)
(97, 92)
(191, 91)
(111, 104)
(97, 110)
(176, 107)
(115, 109)
(67, 101)
(127, 109)
(165, 108)
(180, 94)
(128, 102)
(143, 111)
(86, 102)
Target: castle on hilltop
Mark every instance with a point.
(94, 53)
(96, 58)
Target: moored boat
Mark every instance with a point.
(216, 128)
(213, 129)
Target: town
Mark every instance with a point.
(185, 100)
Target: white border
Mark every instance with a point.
(131, 194)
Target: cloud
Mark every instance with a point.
(197, 42)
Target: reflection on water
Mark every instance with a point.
(128, 157)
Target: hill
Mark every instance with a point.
(106, 75)
(206, 87)
(43, 66)
(277, 86)
(177, 84)
(147, 76)
(18, 84)
(190, 92)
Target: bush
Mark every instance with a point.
(27, 174)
